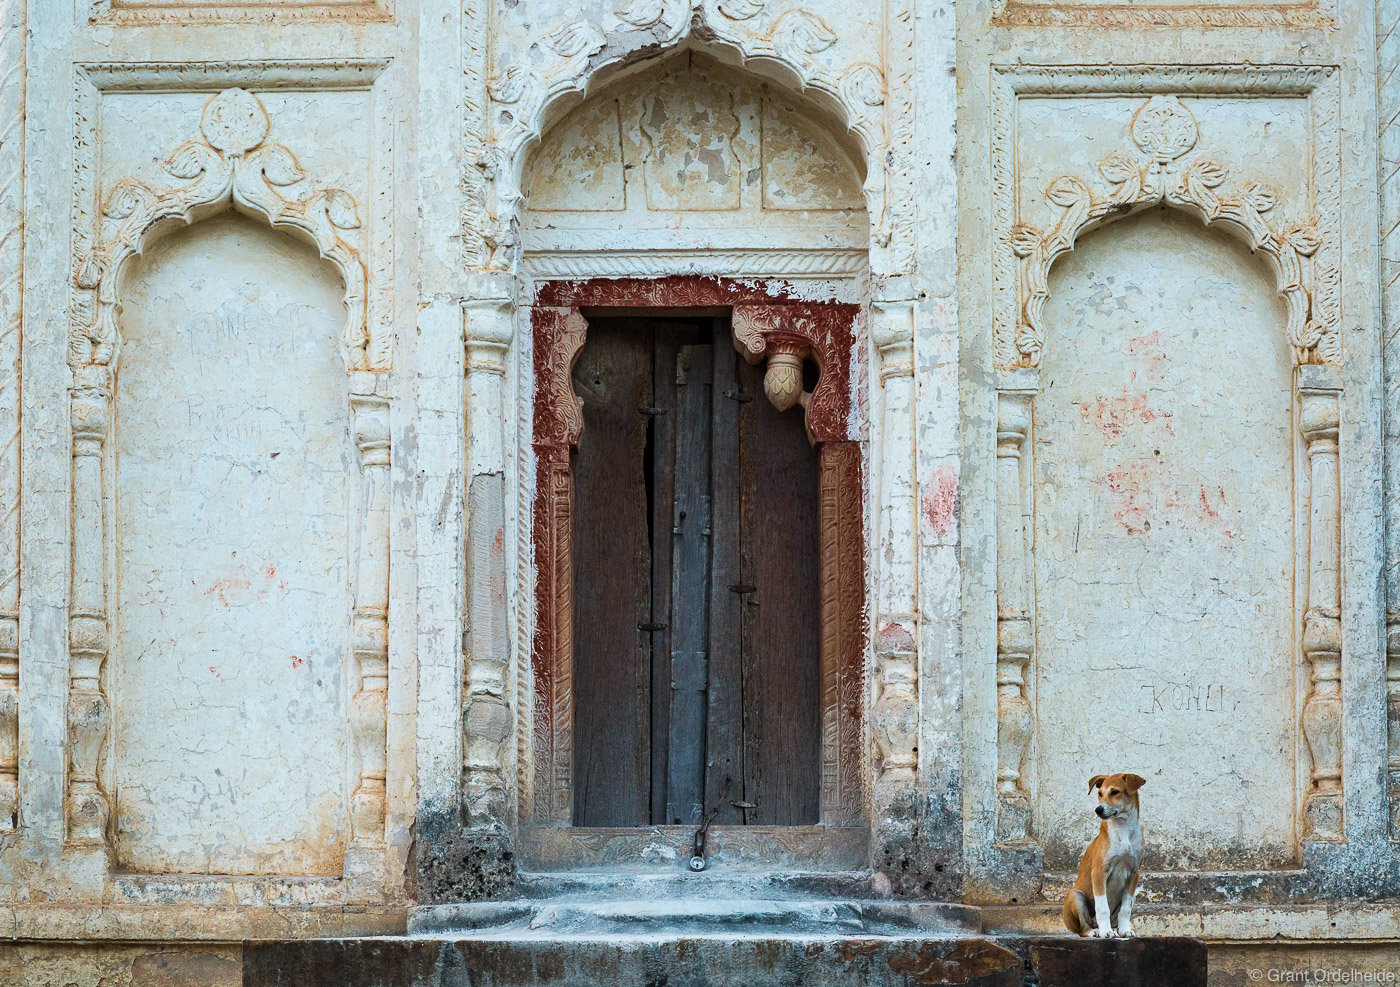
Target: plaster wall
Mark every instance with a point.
(947, 169)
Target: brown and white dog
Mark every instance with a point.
(1108, 871)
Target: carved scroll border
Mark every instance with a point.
(172, 13)
(232, 163)
(764, 329)
(1021, 262)
(1015, 13)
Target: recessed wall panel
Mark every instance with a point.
(1165, 547)
(233, 463)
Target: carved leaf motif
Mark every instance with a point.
(1308, 336)
(800, 34)
(574, 38)
(340, 210)
(1303, 238)
(642, 13)
(1329, 346)
(279, 166)
(1259, 197)
(739, 10)
(510, 85)
(863, 85)
(1066, 192)
(190, 160)
(1029, 342)
(89, 274)
(1023, 239)
(1164, 128)
(1124, 173)
(1198, 185)
(126, 198)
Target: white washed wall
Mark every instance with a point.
(233, 473)
(1164, 547)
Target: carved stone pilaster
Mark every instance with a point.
(1318, 421)
(1015, 633)
(370, 622)
(487, 723)
(89, 712)
(896, 706)
(12, 78)
(1392, 719)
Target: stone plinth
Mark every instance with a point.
(757, 961)
(1167, 962)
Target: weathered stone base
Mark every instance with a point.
(759, 962)
(637, 960)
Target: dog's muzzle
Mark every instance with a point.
(1102, 811)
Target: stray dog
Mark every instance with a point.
(1108, 871)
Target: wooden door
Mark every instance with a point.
(696, 585)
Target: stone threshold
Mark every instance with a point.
(659, 916)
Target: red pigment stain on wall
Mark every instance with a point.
(893, 637)
(1112, 415)
(1147, 350)
(1140, 498)
(941, 501)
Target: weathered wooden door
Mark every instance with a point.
(695, 585)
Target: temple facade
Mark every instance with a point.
(481, 470)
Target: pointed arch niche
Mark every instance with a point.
(1168, 526)
(229, 580)
(687, 188)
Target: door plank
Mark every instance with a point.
(780, 548)
(724, 748)
(612, 578)
(685, 770)
(663, 492)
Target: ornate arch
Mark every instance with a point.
(1304, 256)
(232, 166)
(1163, 132)
(568, 58)
(235, 166)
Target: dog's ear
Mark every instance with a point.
(1131, 783)
(1096, 781)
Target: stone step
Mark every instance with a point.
(676, 916)
(632, 961)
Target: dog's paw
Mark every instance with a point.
(1102, 934)
(1126, 932)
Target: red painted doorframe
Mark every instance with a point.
(764, 322)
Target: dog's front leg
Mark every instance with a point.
(1125, 915)
(1101, 914)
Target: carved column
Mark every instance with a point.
(487, 721)
(370, 624)
(1015, 633)
(89, 713)
(558, 424)
(1318, 419)
(896, 706)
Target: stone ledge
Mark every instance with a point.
(194, 923)
(1343, 921)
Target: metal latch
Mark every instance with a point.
(697, 860)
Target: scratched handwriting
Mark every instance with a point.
(1184, 697)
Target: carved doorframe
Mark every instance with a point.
(782, 331)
